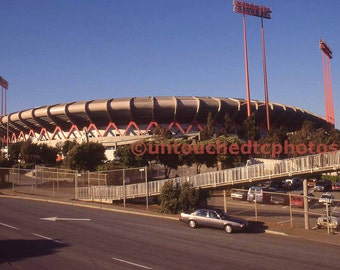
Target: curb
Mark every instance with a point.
(104, 208)
(276, 233)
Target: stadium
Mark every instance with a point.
(118, 121)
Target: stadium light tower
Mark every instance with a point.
(327, 55)
(262, 12)
(4, 85)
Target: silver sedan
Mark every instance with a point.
(214, 219)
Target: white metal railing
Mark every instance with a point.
(287, 167)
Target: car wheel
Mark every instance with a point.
(228, 229)
(192, 223)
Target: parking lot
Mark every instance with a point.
(283, 208)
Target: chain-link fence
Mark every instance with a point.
(63, 183)
(106, 185)
(42, 181)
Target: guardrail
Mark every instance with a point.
(324, 162)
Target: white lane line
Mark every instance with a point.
(243, 211)
(135, 264)
(9, 226)
(284, 221)
(47, 238)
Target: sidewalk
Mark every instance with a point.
(318, 235)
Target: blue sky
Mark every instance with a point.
(69, 50)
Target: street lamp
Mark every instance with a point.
(145, 169)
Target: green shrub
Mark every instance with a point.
(175, 198)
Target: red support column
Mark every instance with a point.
(327, 55)
(265, 76)
(246, 64)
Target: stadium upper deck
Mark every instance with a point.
(119, 117)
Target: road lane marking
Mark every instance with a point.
(127, 262)
(9, 226)
(243, 211)
(47, 238)
(284, 221)
(65, 219)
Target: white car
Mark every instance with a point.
(326, 198)
(238, 194)
(332, 221)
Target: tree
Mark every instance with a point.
(15, 151)
(334, 136)
(201, 154)
(312, 138)
(30, 152)
(226, 130)
(209, 130)
(67, 146)
(275, 136)
(175, 198)
(250, 129)
(189, 197)
(86, 156)
(169, 155)
(169, 198)
(230, 159)
(162, 133)
(48, 154)
(38, 153)
(129, 159)
(5, 164)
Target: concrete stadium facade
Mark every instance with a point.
(121, 120)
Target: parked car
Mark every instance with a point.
(326, 198)
(279, 199)
(311, 182)
(238, 194)
(332, 221)
(336, 186)
(296, 201)
(293, 183)
(255, 193)
(323, 185)
(215, 219)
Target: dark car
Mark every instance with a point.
(279, 199)
(213, 218)
(323, 185)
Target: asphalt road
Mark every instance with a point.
(95, 239)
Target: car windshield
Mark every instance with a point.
(222, 214)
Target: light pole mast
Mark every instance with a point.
(262, 12)
(327, 55)
(4, 85)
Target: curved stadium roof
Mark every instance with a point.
(142, 111)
